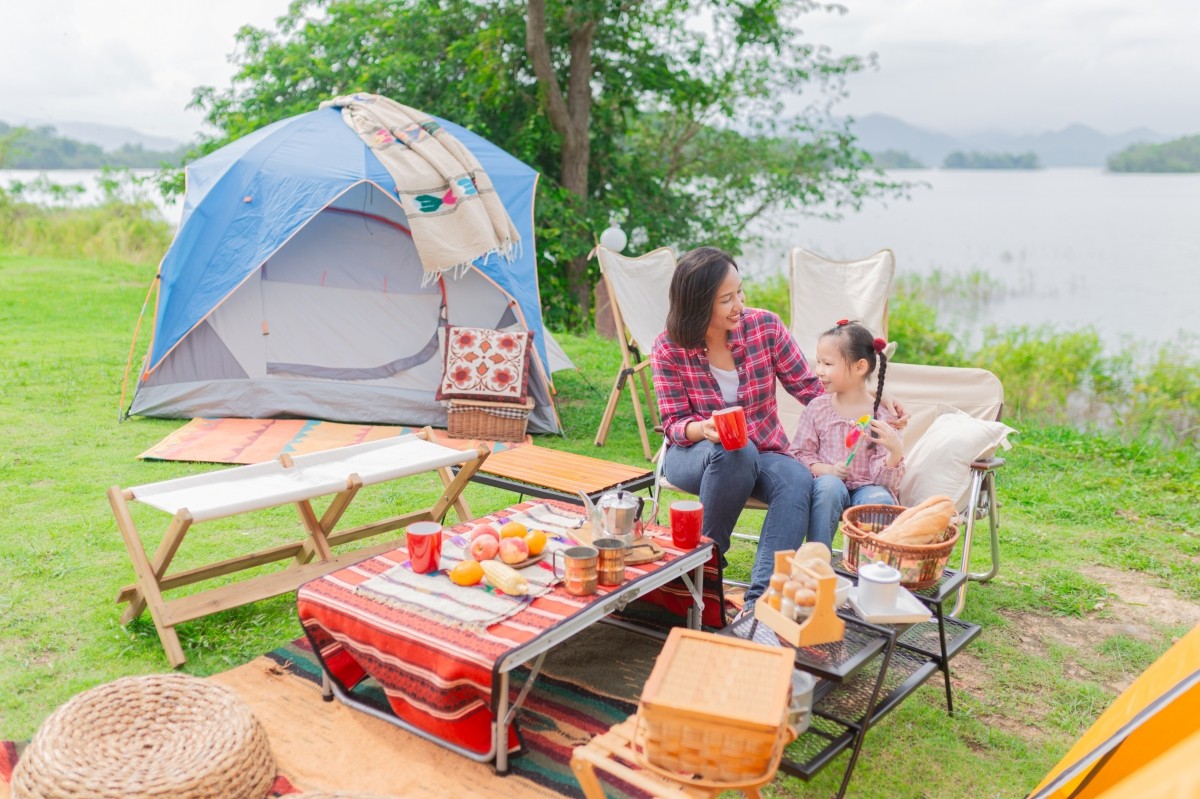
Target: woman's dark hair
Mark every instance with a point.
(693, 290)
(855, 343)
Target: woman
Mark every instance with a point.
(715, 353)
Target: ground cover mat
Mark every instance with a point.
(246, 441)
(327, 746)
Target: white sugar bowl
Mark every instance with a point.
(878, 587)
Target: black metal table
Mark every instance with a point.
(866, 675)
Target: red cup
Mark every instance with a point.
(687, 517)
(731, 427)
(424, 542)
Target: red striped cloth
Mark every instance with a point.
(439, 678)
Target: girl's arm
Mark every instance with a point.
(887, 471)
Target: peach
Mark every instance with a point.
(513, 550)
(483, 529)
(484, 547)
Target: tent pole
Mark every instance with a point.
(122, 415)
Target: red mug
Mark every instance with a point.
(424, 543)
(687, 517)
(731, 427)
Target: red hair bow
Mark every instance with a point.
(879, 344)
(843, 322)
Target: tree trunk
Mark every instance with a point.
(571, 118)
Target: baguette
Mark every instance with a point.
(924, 524)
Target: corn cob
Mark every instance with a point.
(506, 578)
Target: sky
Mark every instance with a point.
(1021, 66)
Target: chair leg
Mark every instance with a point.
(610, 409)
(641, 421)
(983, 486)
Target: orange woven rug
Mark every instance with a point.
(257, 440)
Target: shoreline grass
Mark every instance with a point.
(1074, 506)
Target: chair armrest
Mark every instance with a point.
(989, 465)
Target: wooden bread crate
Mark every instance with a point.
(715, 706)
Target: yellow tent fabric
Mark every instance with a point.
(1147, 743)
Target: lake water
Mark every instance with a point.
(1070, 247)
(89, 181)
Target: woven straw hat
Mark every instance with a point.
(151, 737)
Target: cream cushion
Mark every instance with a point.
(939, 463)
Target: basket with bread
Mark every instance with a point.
(917, 541)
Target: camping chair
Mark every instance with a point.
(821, 291)
(638, 289)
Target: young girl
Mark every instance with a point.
(846, 356)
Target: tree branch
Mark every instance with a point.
(539, 57)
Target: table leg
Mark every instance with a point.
(861, 733)
(695, 586)
(162, 560)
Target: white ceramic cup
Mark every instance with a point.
(878, 587)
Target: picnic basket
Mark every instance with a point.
(920, 565)
(490, 421)
(715, 706)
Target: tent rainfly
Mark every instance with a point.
(293, 289)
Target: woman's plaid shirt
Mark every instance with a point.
(763, 349)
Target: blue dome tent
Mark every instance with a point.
(293, 288)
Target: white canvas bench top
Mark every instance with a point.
(217, 494)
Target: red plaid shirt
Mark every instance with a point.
(763, 349)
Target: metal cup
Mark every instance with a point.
(611, 568)
(579, 569)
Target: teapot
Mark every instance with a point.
(617, 514)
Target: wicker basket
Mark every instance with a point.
(920, 565)
(715, 706)
(491, 421)
(152, 736)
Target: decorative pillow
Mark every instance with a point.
(487, 365)
(940, 461)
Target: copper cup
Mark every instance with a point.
(578, 569)
(611, 567)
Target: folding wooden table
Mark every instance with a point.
(339, 473)
(535, 471)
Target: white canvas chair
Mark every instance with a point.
(638, 289)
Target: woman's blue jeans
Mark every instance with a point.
(830, 497)
(725, 479)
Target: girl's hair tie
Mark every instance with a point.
(879, 344)
(843, 322)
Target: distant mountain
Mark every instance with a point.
(106, 137)
(1075, 145)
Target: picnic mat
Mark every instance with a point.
(256, 440)
(327, 746)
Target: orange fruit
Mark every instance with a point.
(513, 530)
(466, 572)
(536, 541)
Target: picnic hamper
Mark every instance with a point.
(490, 421)
(149, 736)
(715, 706)
(920, 565)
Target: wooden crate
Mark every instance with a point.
(715, 706)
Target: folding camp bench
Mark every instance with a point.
(337, 473)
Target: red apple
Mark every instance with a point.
(483, 529)
(513, 550)
(484, 547)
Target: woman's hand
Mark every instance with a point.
(705, 429)
(894, 407)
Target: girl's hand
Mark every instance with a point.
(839, 470)
(886, 436)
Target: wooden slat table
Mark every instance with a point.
(339, 473)
(535, 471)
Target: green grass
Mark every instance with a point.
(1071, 503)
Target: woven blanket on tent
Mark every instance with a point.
(452, 207)
(248, 441)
